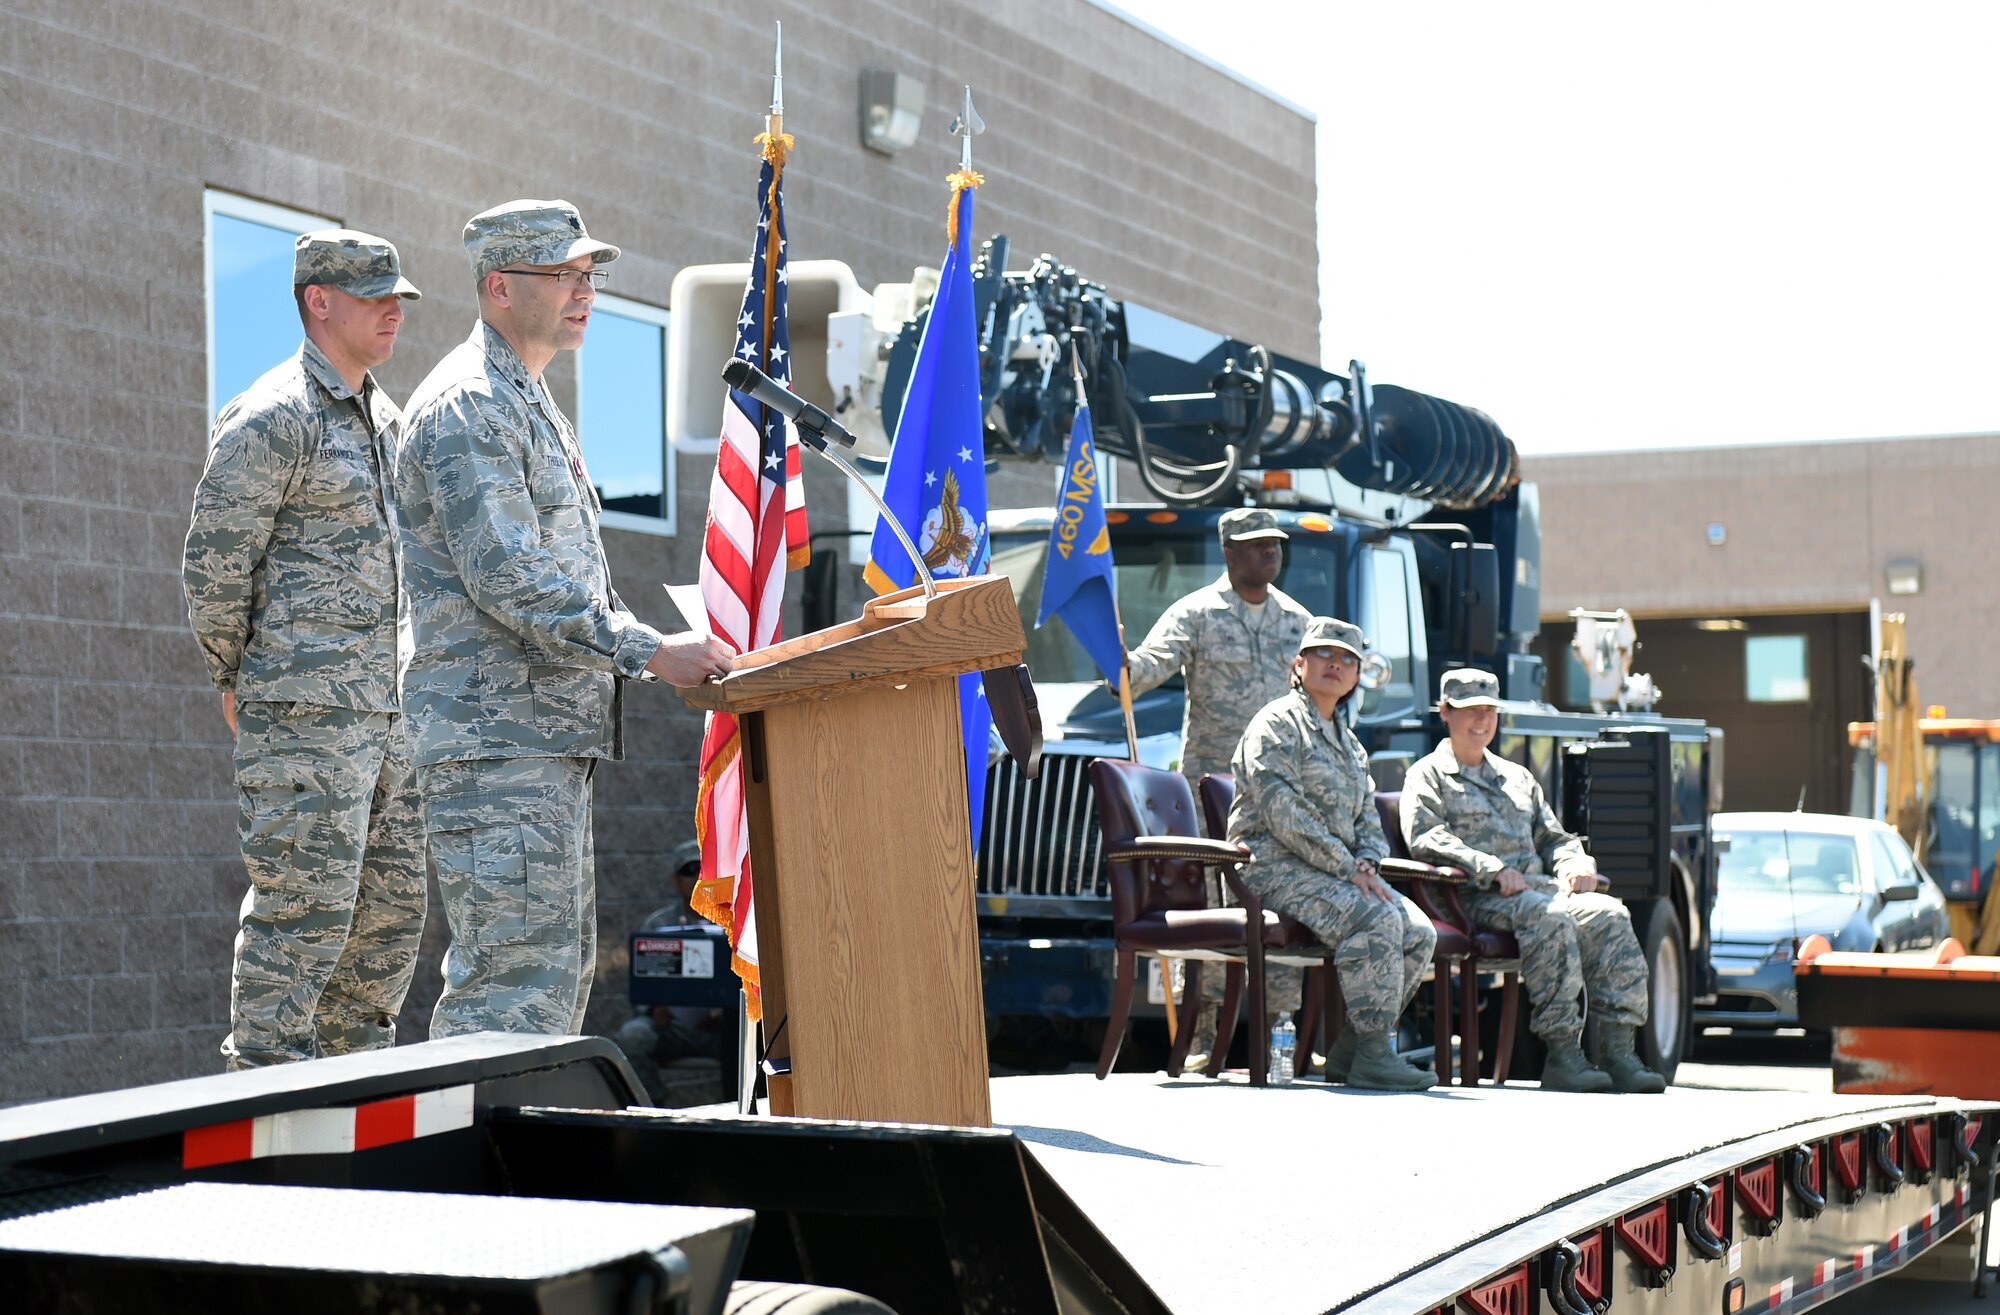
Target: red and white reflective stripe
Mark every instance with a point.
(1864, 1258)
(1964, 1193)
(329, 1131)
(1825, 1272)
(1780, 1294)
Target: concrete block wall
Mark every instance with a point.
(1809, 527)
(1151, 172)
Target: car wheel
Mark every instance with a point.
(1663, 1041)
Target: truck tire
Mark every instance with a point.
(1664, 1040)
(752, 1298)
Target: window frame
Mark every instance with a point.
(232, 205)
(662, 527)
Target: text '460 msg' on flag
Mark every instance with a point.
(1078, 584)
(937, 468)
(756, 531)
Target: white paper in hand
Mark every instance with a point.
(687, 601)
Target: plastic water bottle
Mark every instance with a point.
(1284, 1039)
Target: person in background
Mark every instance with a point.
(1233, 642)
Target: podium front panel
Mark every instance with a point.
(864, 905)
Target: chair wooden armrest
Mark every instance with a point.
(1409, 869)
(1196, 849)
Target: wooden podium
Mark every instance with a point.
(861, 853)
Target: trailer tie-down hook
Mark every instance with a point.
(1694, 1222)
(1881, 1141)
(1811, 1202)
(1958, 1135)
(1564, 1296)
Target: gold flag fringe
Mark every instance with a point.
(958, 180)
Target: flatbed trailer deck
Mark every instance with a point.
(1140, 1193)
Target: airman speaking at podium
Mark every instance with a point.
(521, 642)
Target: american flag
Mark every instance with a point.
(756, 532)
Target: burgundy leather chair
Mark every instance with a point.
(1491, 951)
(1294, 944)
(1323, 1002)
(1159, 865)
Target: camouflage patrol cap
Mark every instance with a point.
(359, 264)
(1332, 632)
(1469, 687)
(530, 233)
(688, 851)
(1246, 523)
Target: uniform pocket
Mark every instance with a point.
(274, 812)
(508, 855)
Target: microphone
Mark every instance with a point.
(815, 426)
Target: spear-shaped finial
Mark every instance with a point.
(773, 140)
(778, 75)
(965, 126)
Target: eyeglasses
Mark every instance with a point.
(569, 280)
(1337, 656)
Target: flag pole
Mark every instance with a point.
(1124, 668)
(1125, 706)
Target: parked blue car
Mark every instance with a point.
(1785, 876)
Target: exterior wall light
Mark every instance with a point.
(892, 110)
(1906, 576)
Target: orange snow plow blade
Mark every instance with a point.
(1905, 1024)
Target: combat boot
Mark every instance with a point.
(1568, 1070)
(1340, 1058)
(1201, 1051)
(1628, 1072)
(1376, 1067)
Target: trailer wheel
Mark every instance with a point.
(1663, 1041)
(798, 1299)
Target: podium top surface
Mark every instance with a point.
(971, 625)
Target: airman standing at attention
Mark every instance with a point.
(290, 576)
(1234, 641)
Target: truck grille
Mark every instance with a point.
(1041, 836)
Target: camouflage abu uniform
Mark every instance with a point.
(1236, 659)
(1493, 816)
(1305, 806)
(520, 646)
(290, 577)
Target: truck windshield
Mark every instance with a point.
(1155, 567)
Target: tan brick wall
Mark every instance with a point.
(1810, 527)
(1166, 180)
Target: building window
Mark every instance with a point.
(1775, 669)
(621, 414)
(253, 323)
